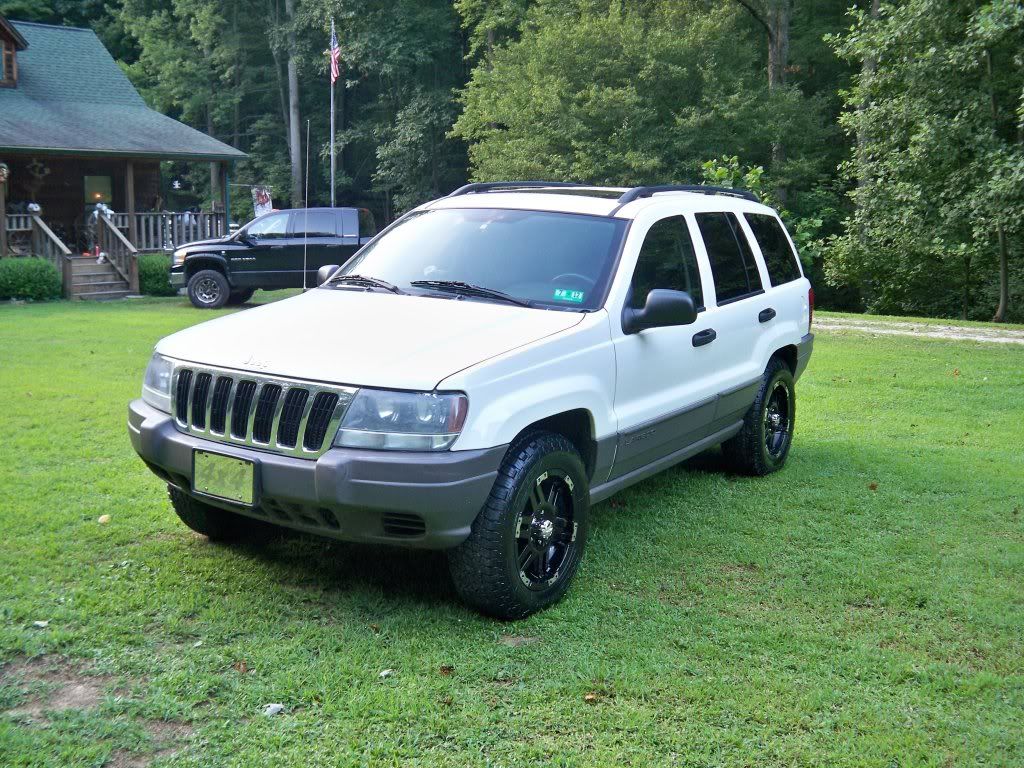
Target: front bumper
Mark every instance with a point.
(803, 354)
(424, 500)
(178, 279)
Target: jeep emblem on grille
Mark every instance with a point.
(256, 363)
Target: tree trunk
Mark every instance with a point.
(294, 142)
(867, 69)
(215, 192)
(1004, 272)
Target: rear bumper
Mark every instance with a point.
(803, 354)
(424, 500)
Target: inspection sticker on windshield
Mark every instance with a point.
(564, 294)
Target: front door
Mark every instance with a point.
(665, 391)
(266, 262)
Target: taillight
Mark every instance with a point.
(810, 307)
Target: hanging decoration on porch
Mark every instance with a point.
(5, 173)
(37, 172)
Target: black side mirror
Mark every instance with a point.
(663, 307)
(325, 272)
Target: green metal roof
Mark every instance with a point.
(73, 99)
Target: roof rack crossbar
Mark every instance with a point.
(637, 192)
(488, 186)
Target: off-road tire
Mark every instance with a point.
(748, 450)
(208, 289)
(240, 297)
(485, 567)
(214, 523)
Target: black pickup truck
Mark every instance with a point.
(268, 253)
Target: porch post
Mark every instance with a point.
(129, 193)
(4, 173)
(225, 197)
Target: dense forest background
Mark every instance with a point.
(891, 134)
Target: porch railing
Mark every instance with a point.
(48, 246)
(121, 254)
(165, 231)
(19, 222)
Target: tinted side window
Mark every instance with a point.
(314, 224)
(778, 254)
(732, 262)
(273, 226)
(367, 226)
(667, 260)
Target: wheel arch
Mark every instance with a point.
(788, 355)
(576, 426)
(203, 261)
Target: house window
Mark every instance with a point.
(8, 64)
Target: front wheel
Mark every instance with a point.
(527, 542)
(208, 289)
(762, 445)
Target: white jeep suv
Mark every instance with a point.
(483, 371)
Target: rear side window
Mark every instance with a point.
(314, 224)
(667, 260)
(732, 262)
(778, 254)
(367, 226)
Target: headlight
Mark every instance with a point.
(179, 257)
(403, 421)
(156, 387)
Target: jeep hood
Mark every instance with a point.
(362, 338)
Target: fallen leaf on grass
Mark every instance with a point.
(41, 624)
(241, 667)
(447, 669)
(273, 709)
(956, 371)
(103, 519)
(591, 698)
(514, 641)
(375, 628)
(197, 643)
(873, 486)
(386, 674)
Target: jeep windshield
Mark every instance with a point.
(539, 258)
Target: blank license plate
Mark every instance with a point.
(224, 477)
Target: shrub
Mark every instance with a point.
(29, 278)
(154, 275)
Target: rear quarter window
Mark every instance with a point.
(779, 257)
(732, 262)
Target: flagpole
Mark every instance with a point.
(332, 123)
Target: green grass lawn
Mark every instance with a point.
(865, 606)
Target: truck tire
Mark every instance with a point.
(240, 297)
(762, 445)
(214, 523)
(208, 289)
(527, 542)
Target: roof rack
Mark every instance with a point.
(637, 192)
(489, 186)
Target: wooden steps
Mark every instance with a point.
(92, 281)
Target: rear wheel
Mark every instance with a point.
(528, 540)
(762, 445)
(208, 289)
(214, 523)
(240, 297)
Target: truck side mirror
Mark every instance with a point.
(324, 273)
(663, 308)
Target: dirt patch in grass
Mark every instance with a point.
(64, 686)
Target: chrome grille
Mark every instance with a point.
(287, 416)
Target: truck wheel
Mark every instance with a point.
(762, 445)
(528, 539)
(208, 289)
(240, 297)
(216, 524)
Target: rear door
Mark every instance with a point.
(735, 329)
(317, 239)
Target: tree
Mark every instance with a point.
(939, 171)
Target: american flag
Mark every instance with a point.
(335, 54)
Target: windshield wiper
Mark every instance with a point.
(468, 289)
(375, 282)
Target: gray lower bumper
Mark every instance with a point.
(177, 279)
(426, 500)
(803, 354)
